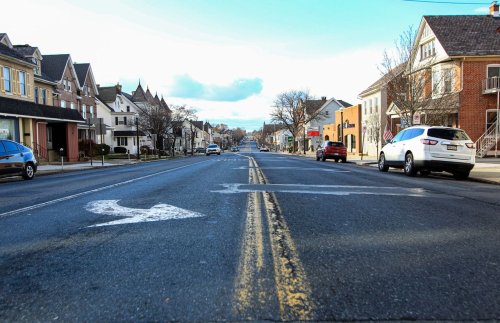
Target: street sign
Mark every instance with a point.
(289, 139)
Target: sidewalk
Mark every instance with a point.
(54, 168)
(486, 170)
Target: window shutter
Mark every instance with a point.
(28, 85)
(14, 85)
(1, 80)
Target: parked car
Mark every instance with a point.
(332, 150)
(235, 149)
(200, 150)
(16, 159)
(213, 149)
(264, 148)
(427, 149)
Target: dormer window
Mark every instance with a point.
(427, 50)
(37, 67)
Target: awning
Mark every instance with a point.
(128, 133)
(23, 109)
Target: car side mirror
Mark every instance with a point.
(388, 141)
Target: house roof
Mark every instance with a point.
(377, 85)
(107, 94)
(12, 53)
(54, 65)
(81, 71)
(344, 104)
(164, 104)
(198, 124)
(12, 107)
(139, 95)
(25, 50)
(314, 105)
(467, 35)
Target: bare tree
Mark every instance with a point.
(156, 119)
(374, 127)
(180, 114)
(418, 86)
(294, 110)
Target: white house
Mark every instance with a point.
(119, 114)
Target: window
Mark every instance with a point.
(427, 50)
(91, 111)
(65, 82)
(69, 86)
(44, 96)
(22, 83)
(6, 80)
(36, 70)
(128, 108)
(10, 147)
(493, 71)
(63, 104)
(116, 121)
(371, 106)
(84, 111)
(447, 80)
(376, 104)
(121, 141)
(37, 99)
(72, 105)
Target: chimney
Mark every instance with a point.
(118, 88)
(494, 9)
(323, 98)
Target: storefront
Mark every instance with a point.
(9, 128)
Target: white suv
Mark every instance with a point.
(213, 149)
(426, 149)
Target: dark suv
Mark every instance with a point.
(332, 150)
(16, 159)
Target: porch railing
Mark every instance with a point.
(491, 85)
(487, 140)
(41, 153)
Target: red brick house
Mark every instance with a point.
(464, 52)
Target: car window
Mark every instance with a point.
(212, 146)
(398, 136)
(412, 133)
(10, 147)
(2, 149)
(335, 144)
(449, 134)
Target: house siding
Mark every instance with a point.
(473, 104)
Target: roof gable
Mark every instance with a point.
(4, 39)
(468, 35)
(55, 65)
(84, 71)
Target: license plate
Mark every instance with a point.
(451, 147)
(335, 154)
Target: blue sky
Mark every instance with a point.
(229, 58)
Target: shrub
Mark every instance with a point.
(120, 150)
(102, 149)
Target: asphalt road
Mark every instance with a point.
(248, 236)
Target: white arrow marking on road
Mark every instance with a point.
(159, 212)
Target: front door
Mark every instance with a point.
(49, 138)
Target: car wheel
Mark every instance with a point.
(207, 154)
(344, 159)
(336, 160)
(425, 172)
(409, 167)
(323, 157)
(29, 171)
(382, 166)
(317, 158)
(218, 153)
(461, 175)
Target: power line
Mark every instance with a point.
(449, 2)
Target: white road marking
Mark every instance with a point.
(340, 190)
(70, 197)
(159, 212)
(332, 170)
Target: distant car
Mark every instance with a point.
(16, 159)
(235, 149)
(264, 148)
(429, 148)
(332, 150)
(200, 150)
(213, 149)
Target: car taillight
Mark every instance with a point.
(429, 142)
(470, 145)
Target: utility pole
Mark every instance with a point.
(137, 135)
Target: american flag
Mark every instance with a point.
(387, 132)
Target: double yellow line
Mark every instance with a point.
(291, 288)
